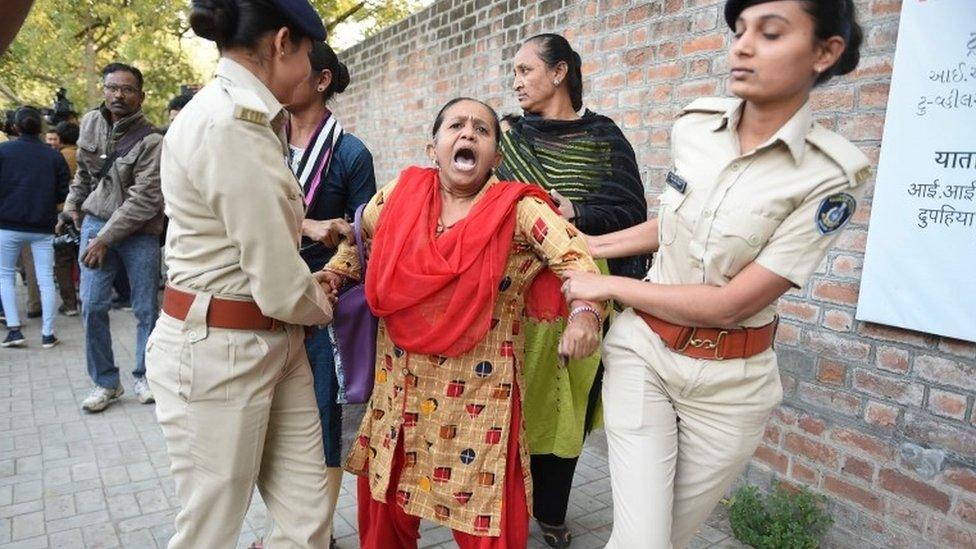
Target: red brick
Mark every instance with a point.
(803, 473)
(771, 435)
(872, 94)
(965, 349)
(868, 444)
(952, 536)
(639, 14)
(787, 334)
(777, 461)
(966, 510)
(667, 71)
(838, 321)
(838, 98)
(811, 425)
(836, 346)
(881, 415)
(889, 387)
(946, 404)
(704, 44)
(798, 310)
(852, 240)
(844, 293)
(963, 478)
(854, 494)
(892, 359)
(785, 416)
(940, 433)
(957, 373)
(895, 335)
(897, 483)
(831, 399)
(859, 468)
(847, 266)
(906, 515)
(694, 90)
(638, 56)
(879, 65)
(810, 449)
(831, 372)
(885, 7)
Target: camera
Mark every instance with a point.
(70, 236)
(62, 109)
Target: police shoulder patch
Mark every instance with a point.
(834, 212)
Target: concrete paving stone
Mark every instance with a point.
(30, 464)
(4, 530)
(102, 536)
(27, 525)
(27, 491)
(114, 476)
(84, 471)
(90, 500)
(152, 501)
(9, 511)
(73, 487)
(6, 495)
(140, 539)
(163, 532)
(132, 487)
(7, 467)
(141, 471)
(151, 520)
(54, 451)
(711, 534)
(56, 476)
(59, 507)
(40, 542)
(71, 539)
(77, 521)
(123, 506)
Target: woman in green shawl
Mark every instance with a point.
(589, 168)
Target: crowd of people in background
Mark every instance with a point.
(496, 275)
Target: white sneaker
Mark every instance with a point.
(143, 392)
(99, 398)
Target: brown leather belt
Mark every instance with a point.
(222, 313)
(713, 343)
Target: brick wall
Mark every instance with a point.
(879, 419)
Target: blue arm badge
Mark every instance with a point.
(834, 212)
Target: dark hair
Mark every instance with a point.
(28, 121)
(117, 67)
(177, 103)
(324, 58)
(440, 117)
(68, 132)
(837, 18)
(554, 49)
(238, 23)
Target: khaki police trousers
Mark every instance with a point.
(679, 430)
(237, 409)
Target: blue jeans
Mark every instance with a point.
(139, 254)
(319, 349)
(43, 250)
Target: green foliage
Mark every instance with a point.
(788, 518)
(66, 43)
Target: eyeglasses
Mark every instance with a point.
(112, 89)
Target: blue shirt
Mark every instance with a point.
(349, 183)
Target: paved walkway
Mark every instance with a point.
(71, 479)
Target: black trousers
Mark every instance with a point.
(552, 476)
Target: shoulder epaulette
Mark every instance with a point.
(845, 154)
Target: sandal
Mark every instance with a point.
(556, 536)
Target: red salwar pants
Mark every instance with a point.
(388, 526)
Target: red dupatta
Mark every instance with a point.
(437, 293)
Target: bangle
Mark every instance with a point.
(585, 309)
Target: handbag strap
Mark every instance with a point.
(357, 227)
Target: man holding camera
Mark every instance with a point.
(116, 203)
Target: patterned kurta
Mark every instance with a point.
(454, 413)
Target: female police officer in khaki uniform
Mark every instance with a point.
(757, 195)
(226, 361)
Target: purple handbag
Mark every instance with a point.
(355, 330)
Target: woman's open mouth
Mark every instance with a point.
(465, 159)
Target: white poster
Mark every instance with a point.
(920, 263)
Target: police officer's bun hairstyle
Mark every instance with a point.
(553, 49)
(323, 57)
(238, 23)
(28, 121)
(439, 119)
(837, 18)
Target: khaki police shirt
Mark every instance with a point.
(235, 208)
(781, 205)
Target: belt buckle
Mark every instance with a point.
(707, 344)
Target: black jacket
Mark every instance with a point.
(33, 181)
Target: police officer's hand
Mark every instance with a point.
(564, 205)
(581, 337)
(586, 286)
(329, 231)
(331, 282)
(95, 253)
